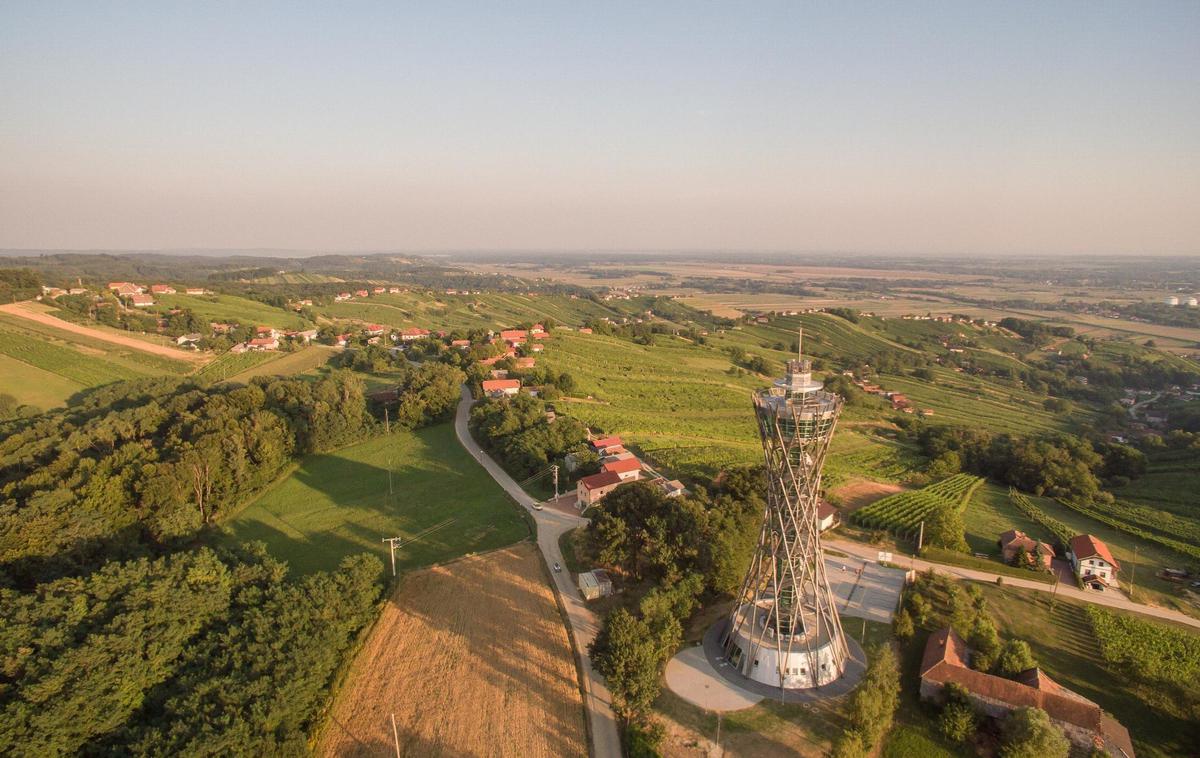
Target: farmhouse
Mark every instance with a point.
(524, 362)
(195, 291)
(827, 516)
(460, 344)
(603, 444)
(411, 333)
(361, 293)
(1014, 541)
(141, 301)
(306, 336)
(263, 343)
(373, 330)
(1093, 563)
(501, 387)
(514, 337)
(670, 487)
(946, 661)
(536, 347)
(126, 288)
(592, 489)
(629, 469)
(264, 332)
(162, 289)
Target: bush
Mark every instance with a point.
(1014, 658)
(1028, 733)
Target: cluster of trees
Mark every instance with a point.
(192, 653)
(517, 431)
(645, 535)
(872, 706)
(1058, 465)
(681, 547)
(146, 462)
(19, 284)
(1037, 333)
(750, 361)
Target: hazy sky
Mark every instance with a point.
(897, 127)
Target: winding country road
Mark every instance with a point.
(606, 743)
(1110, 598)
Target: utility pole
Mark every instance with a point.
(921, 537)
(1133, 571)
(719, 732)
(396, 735)
(554, 470)
(389, 477)
(387, 421)
(392, 546)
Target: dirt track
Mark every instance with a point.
(25, 311)
(473, 660)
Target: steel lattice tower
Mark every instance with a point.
(784, 630)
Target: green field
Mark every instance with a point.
(66, 362)
(34, 386)
(675, 401)
(485, 311)
(990, 513)
(288, 364)
(337, 504)
(232, 309)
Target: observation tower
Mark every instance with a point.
(784, 630)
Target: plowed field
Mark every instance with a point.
(473, 660)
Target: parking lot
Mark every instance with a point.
(863, 589)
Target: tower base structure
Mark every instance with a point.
(812, 659)
(719, 640)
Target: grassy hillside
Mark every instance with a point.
(448, 312)
(337, 504)
(231, 308)
(674, 400)
(31, 385)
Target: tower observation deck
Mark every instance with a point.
(784, 629)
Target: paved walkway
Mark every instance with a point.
(1110, 599)
(551, 525)
(692, 677)
(702, 676)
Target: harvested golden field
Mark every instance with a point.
(473, 659)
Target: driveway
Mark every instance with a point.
(1110, 599)
(606, 742)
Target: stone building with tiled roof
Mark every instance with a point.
(947, 659)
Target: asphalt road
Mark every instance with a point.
(606, 742)
(1111, 598)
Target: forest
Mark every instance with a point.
(129, 625)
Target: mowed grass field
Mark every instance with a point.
(337, 504)
(34, 386)
(473, 659)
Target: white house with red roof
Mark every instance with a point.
(141, 301)
(629, 469)
(1093, 562)
(373, 330)
(592, 489)
(126, 289)
(501, 387)
(413, 333)
(263, 343)
(162, 289)
(602, 444)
